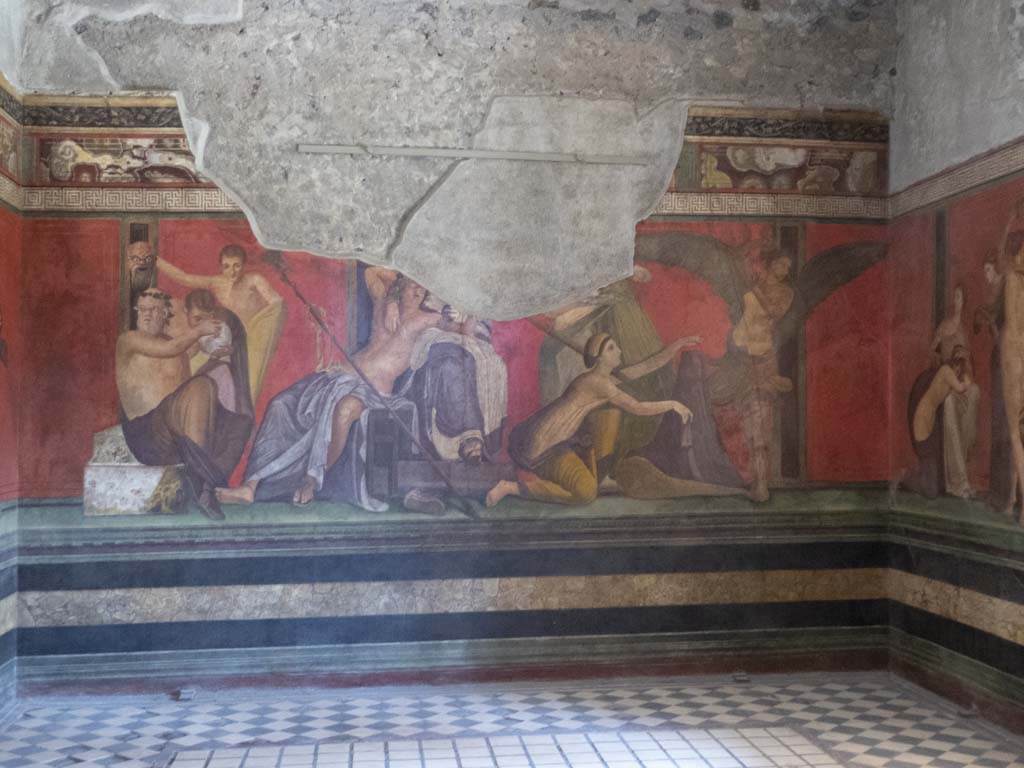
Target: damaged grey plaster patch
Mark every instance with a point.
(1017, 35)
(197, 131)
(12, 36)
(415, 73)
(525, 219)
(55, 51)
(959, 87)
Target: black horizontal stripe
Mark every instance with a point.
(787, 128)
(101, 116)
(8, 646)
(988, 578)
(262, 633)
(973, 643)
(8, 580)
(967, 641)
(304, 569)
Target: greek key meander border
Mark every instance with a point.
(750, 204)
(1001, 162)
(129, 200)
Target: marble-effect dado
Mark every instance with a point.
(221, 603)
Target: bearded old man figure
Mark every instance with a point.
(170, 416)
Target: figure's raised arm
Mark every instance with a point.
(953, 381)
(658, 359)
(181, 277)
(134, 342)
(378, 281)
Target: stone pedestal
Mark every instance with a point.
(117, 484)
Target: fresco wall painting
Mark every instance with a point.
(734, 451)
(481, 397)
(961, 255)
(702, 449)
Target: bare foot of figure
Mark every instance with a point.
(500, 491)
(305, 492)
(243, 494)
(758, 494)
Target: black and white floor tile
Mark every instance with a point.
(797, 721)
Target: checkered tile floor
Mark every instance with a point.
(857, 719)
(692, 748)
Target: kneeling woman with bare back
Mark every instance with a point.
(549, 443)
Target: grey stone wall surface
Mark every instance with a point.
(960, 83)
(12, 28)
(258, 78)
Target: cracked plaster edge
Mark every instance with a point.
(67, 16)
(197, 132)
(570, 296)
(406, 218)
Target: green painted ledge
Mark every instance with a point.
(867, 512)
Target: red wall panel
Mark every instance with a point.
(847, 376)
(10, 269)
(70, 288)
(518, 342)
(911, 288)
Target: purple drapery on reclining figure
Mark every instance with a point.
(445, 392)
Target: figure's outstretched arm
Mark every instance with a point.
(182, 277)
(135, 342)
(648, 407)
(658, 359)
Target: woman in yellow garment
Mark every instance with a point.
(551, 443)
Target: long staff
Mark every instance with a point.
(276, 260)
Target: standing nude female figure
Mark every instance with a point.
(1012, 349)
